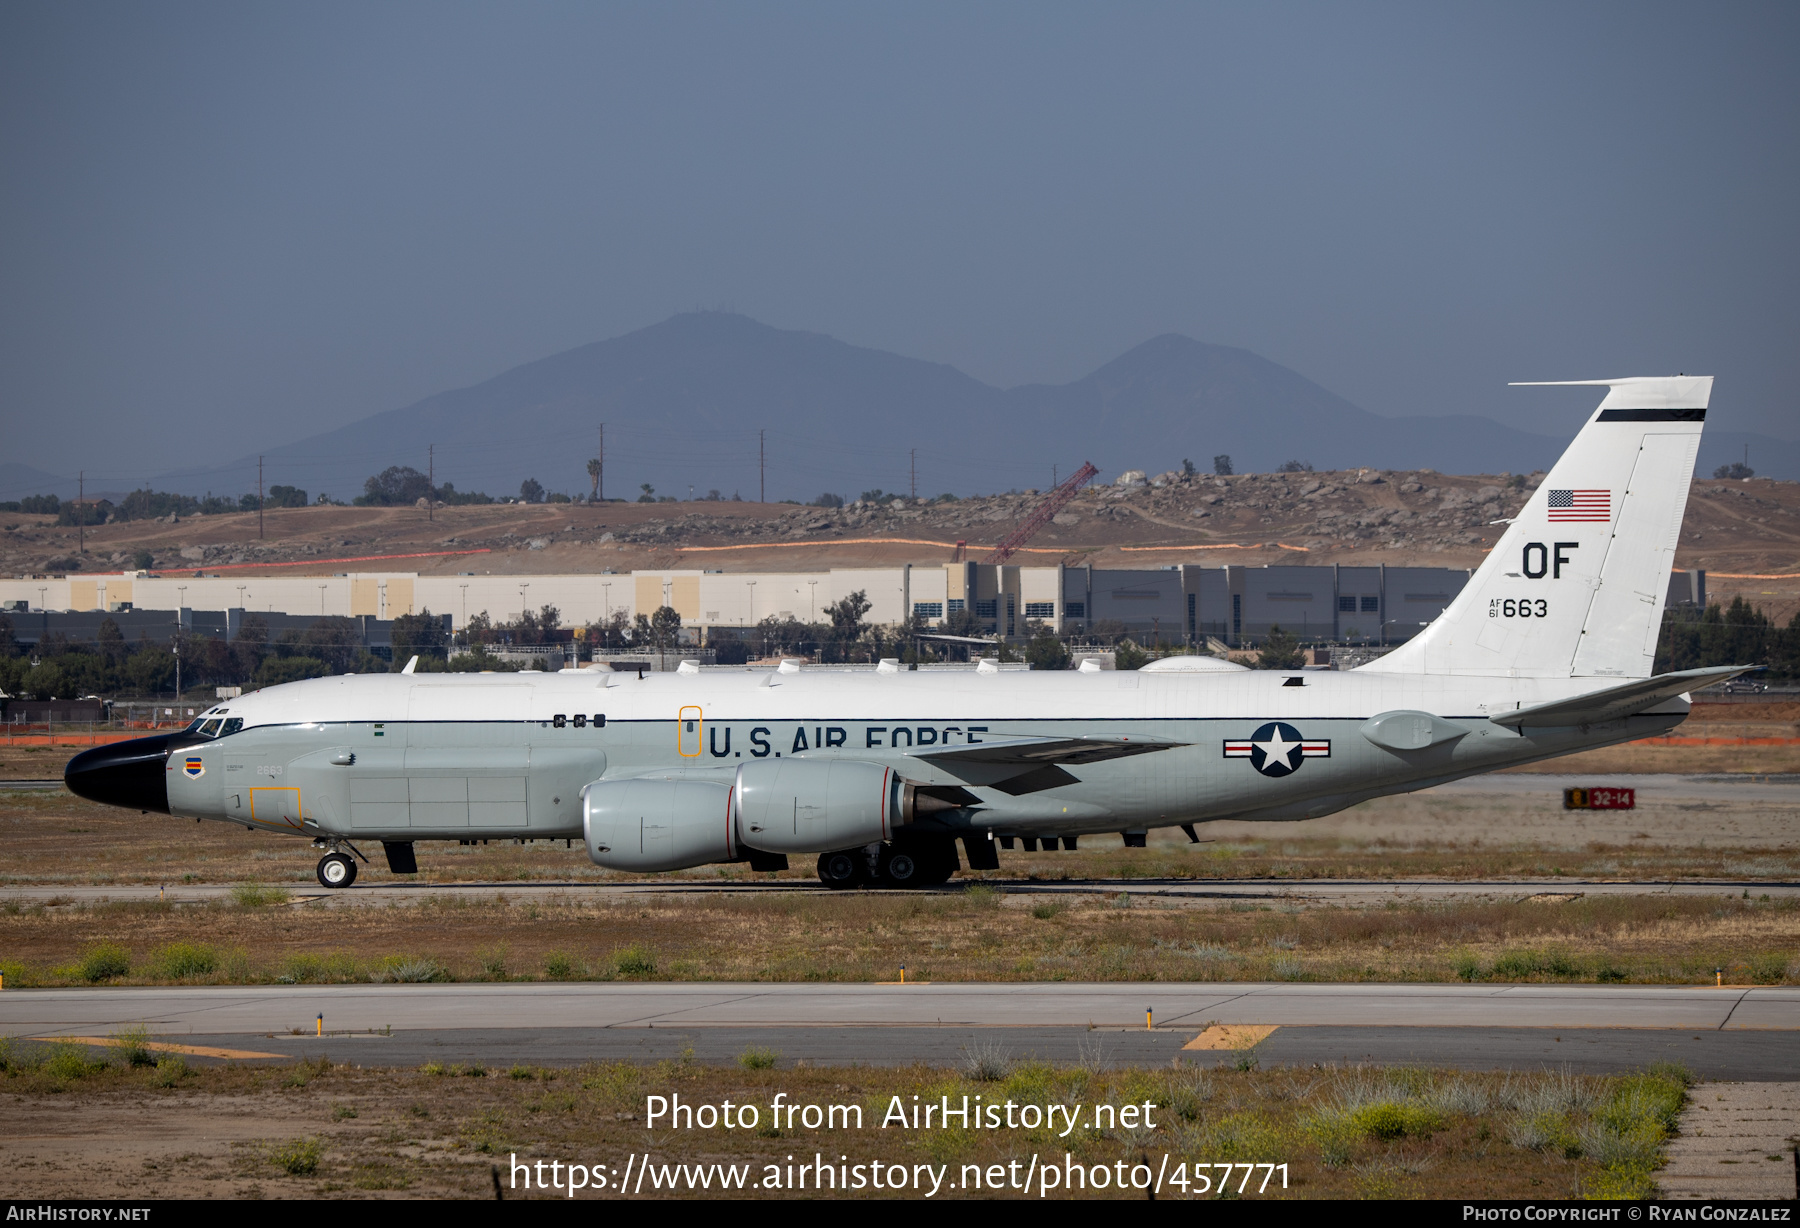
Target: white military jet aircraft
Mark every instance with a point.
(879, 773)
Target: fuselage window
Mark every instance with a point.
(581, 720)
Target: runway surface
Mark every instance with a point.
(1732, 1033)
(383, 892)
(279, 1008)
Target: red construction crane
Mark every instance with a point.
(1058, 499)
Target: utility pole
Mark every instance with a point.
(762, 488)
(430, 481)
(600, 478)
(259, 497)
(915, 474)
(81, 511)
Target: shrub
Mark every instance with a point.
(171, 1070)
(1769, 968)
(255, 895)
(558, 966)
(306, 968)
(70, 1061)
(1519, 965)
(758, 1057)
(1043, 912)
(133, 1045)
(493, 961)
(297, 1157)
(403, 971)
(635, 960)
(180, 960)
(104, 962)
(1336, 1136)
(1391, 1119)
(1243, 1135)
(987, 1062)
(1545, 1131)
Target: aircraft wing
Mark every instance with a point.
(1041, 752)
(1616, 702)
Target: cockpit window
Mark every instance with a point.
(232, 726)
(209, 729)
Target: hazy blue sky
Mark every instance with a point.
(226, 226)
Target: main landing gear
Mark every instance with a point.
(918, 863)
(337, 868)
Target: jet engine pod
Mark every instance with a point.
(657, 823)
(816, 805)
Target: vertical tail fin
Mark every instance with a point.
(1575, 587)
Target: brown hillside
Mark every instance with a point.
(1741, 532)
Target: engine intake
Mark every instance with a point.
(657, 823)
(818, 805)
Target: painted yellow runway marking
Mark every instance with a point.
(163, 1046)
(1231, 1036)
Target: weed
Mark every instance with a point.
(520, 1073)
(70, 1061)
(1522, 965)
(1287, 970)
(558, 966)
(635, 960)
(133, 1045)
(399, 970)
(104, 962)
(758, 1057)
(987, 1062)
(181, 960)
(1391, 1120)
(1045, 911)
(343, 1112)
(1336, 1136)
(492, 961)
(309, 969)
(255, 895)
(171, 1070)
(432, 1068)
(297, 1157)
(1241, 1136)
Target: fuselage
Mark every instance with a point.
(461, 757)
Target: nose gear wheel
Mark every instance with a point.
(337, 870)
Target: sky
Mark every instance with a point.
(228, 226)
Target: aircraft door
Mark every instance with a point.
(687, 737)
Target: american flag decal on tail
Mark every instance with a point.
(1580, 506)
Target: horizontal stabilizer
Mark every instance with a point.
(1036, 752)
(1617, 702)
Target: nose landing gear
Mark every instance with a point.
(337, 868)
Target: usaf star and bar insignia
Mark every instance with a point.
(1277, 749)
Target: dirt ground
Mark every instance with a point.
(979, 934)
(315, 1130)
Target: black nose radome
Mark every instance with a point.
(124, 773)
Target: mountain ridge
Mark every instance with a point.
(718, 400)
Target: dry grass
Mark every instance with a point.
(52, 838)
(78, 1129)
(943, 937)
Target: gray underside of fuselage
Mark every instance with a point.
(409, 781)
